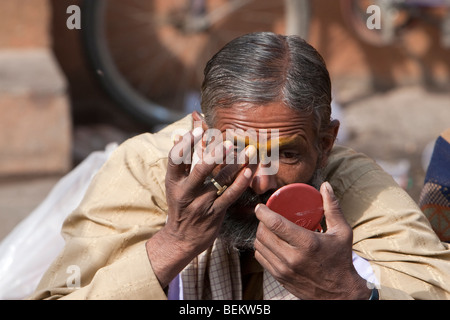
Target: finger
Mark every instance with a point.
(278, 257)
(268, 244)
(199, 120)
(266, 258)
(214, 157)
(235, 190)
(284, 244)
(280, 226)
(236, 178)
(228, 173)
(332, 211)
(180, 154)
(230, 170)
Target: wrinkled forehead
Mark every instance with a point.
(262, 139)
(255, 124)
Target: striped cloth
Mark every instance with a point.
(215, 275)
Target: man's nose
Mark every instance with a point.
(262, 181)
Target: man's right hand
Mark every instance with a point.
(195, 211)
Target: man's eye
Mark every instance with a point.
(289, 157)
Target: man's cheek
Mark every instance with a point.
(269, 167)
(288, 174)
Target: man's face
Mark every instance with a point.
(298, 159)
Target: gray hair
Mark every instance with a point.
(262, 68)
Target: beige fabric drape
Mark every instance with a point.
(126, 204)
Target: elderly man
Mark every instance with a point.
(157, 222)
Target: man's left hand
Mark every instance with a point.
(310, 265)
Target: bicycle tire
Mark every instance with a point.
(117, 85)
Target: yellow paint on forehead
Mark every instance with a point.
(278, 141)
(264, 146)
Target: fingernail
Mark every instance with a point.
(197, 132)
(247, 173)
(228, 145)
(329, 188)
(257, 206)
(250, 152)
(176, 138)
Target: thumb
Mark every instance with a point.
(332, 210)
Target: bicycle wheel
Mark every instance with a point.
(150, 60)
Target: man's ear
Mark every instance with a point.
(198, 118)
(328, 140)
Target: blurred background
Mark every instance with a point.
(136, 65)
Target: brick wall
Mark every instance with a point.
(35, 125)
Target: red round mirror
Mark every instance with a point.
(299, 203)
